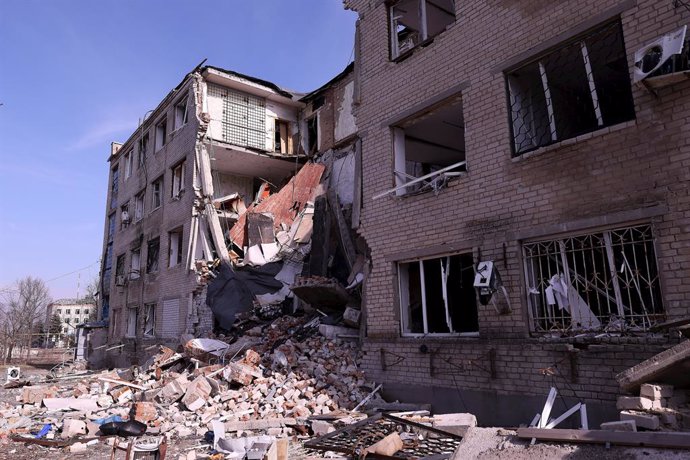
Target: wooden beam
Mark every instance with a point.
(620, 438)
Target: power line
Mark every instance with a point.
(73, 272)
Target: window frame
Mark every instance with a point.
(128, 160)
(176, 235)
(157, 191)
(556, 120)
(149, 320)
(139, 205)
(184, 117)
(131, 329)
(177, 185)
(404, 302)
(153, 242)
(135, 272)
(596, 282)
(161, 134)
(395, 54)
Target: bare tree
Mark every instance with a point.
(22, 311)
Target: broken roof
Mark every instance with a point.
(266, 83)
(347, 71)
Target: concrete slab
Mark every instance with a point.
(670, 367)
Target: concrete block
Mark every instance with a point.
(623, 425)
(642, 420)
(633, 403)
(321, 427)
(77, 447)
(197, 394)
(72, 427)
(351, 317)
(455, 423)
(656, 391)
(144, 411)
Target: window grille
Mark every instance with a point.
(607, 280)
(578, 88)
(244, 118)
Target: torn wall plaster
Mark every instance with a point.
(345, 123)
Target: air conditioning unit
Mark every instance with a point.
(654, 55)
(13, 373)
(120, 280)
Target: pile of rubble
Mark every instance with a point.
(269, 382)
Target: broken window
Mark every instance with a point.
(430, 149)
(175, 247)
(111, 226)
(143, 148)
(161, 134)
(178, 180)
(114, 179)
(59, 311)
(152, 251)
(313, 133)
(125, 218)
(181, 113)
(582, 86)
(132, 317)
(135, 264)
(412, 22)
(156, 193)
(149, 320)
(128, 163)
(139, 205)
(437, 295)
(119, 272)
(86, 311)
(244, 117)
(605, 280)
(282, 141)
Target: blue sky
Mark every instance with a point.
(78, 74)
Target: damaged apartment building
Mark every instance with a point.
(210, 207)
(526, 197)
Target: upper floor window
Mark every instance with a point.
(581, 86)
(129, 158)
(156, 193)
(114, 185)
(606, 280)
(161, 133)
(413, 22)
(313, 133)
(181, 115)
(177, 180)
(143, 148)
(152, 249)
(429, 149)
(139, 206)
(243, 117)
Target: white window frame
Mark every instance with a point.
(424, 35)
(132, 319)
(156, 193)
(128, 163)
(139, 205)
(177, 188)
(150, 320)
(181, 113)
(161, 133)
(403, 284)
(175, 238)
(135, 264)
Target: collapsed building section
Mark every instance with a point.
(214, 205)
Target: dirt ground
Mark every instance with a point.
(501, 444)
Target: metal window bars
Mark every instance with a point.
(244, 118)
(582, 86)
(599, 281)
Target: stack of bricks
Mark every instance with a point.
(659, 407)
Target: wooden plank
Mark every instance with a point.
(564, 416)
(620, 438)
(121, 382)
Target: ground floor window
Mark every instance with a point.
(605, 280)
(437, 295)
(149, 320)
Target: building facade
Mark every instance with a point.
(71, 313)
(176, 186)
(534, 136)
